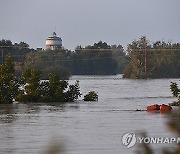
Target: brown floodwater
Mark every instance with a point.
(87, 127)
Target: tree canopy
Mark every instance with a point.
(97, 59)
(8, 82)
(157, 60)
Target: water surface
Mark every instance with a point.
(87, 127)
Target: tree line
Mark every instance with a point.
(98, 59)
(142, 59)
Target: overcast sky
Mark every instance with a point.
(84, 22)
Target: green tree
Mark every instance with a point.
(73, 92)
(96, 59)
(8, 82)
(31, 86)
(161, 60)
(136, 66)
(176, 93)
(5, 43)
(54, 90)
(23, 45)
(91, 96)
(49, 62)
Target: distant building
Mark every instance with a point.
(53, 42)
(39, 49)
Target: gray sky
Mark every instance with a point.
(84, 22)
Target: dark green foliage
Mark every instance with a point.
(98, 59)
(94, 63)
(73, 92)
(176, 93)
(174, 89)
(54, 90)
(8, 83)
(31, 91)
(175, 103)
(29, 88)
(49, 62)
(99, 45)
(135, 68)
(162, 60)
(91, 96)
(62, 72)
(17, 50)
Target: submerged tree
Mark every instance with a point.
(53, 90)
(176, 93)
(30, 82)
(136, 66)
(157, 60)
(8, 82)
(91, 96)
(73, 93)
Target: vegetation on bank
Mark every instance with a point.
(142, 59)
(29, 88)
(98, 59)
(48, 61)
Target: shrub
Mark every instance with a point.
(91, 96)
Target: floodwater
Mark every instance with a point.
(87, 127)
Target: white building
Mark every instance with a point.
(53, 42)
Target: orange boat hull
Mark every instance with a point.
(165, 108)
(153, 107)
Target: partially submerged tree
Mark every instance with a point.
(73, 92)
(91, 96)
(53, 90)
(176, 93)
(31, 86)
(157, 60)
(8, 82)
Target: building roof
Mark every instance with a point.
(53, 37)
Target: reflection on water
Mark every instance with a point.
(11, 112)
(86, 127)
